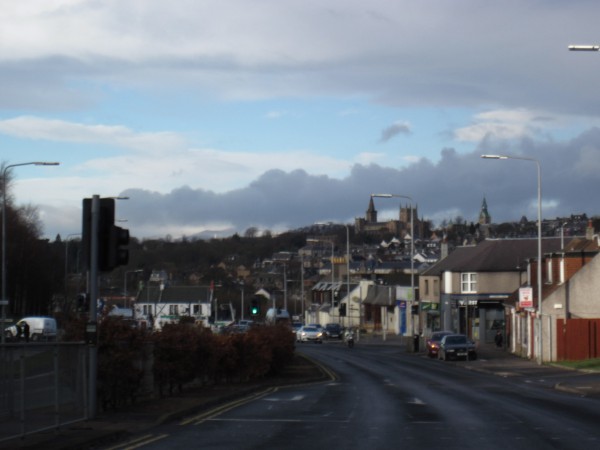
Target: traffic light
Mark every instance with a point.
(118, 254)
(105, 225)
(112, 240)
(254, 307)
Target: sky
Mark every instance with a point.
(217, 116)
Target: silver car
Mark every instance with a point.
(309, 334)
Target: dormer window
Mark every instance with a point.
(468, 283)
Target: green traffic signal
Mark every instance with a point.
(254, 308)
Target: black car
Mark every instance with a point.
(333, 331)
(456, 346)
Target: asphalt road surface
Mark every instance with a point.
(382, 398)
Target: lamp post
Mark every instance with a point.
(539, 357)
(347, 270)
(412, 243)
(125, 282)
(241, 284)
(332, 271)
(4, 299)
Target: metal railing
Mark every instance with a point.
(42, 386)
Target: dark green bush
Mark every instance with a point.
(120, 350)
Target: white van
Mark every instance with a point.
(40, 329)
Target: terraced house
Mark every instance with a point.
(468, 290)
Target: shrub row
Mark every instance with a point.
(183, 353)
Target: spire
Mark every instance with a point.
(484, 215)
(371, 212)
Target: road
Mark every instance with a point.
(381, 398)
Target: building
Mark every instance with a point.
(370, 225)
(466, 292)
(570, 311)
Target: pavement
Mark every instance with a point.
(109, 427)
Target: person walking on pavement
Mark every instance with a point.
(498, 339)
(26, 331)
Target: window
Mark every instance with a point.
(468, 283)
(173, 310)
(426, 287)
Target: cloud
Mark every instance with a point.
(327, 48)
(394, 130)
(509, 124)
(454, 185)
(37, 128)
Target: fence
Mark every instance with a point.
(42, 386)
(577, 339)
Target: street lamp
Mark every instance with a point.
(125, 282)
(332, 271)
(539, 239)
(347, 270)
(584, 48)
(4, 299)
(412, 241)
(347, 261)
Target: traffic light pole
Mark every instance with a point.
(93, 321)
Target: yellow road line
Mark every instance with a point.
(227, 407)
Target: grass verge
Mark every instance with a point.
(586, 364)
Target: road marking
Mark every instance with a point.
(227, 407)
(296, 398)
(315, 420)
(416, 401)
(139, 442)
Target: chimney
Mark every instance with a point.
(444, 248)
(589, 231)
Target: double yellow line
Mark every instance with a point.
(197, 419)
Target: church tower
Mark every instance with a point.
(371, 212)
(484, 215)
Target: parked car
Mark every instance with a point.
(40, 329)
(456, 346)
(245, 325)
(433, 343)
(309, 334)
(333, 331)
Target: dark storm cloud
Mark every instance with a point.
(454, 185)
(394, 130)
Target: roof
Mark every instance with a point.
(174, 294)
(579, 245)
(493, 255)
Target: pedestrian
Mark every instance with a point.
(26, 331)
(498, 339)
(19, 332)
